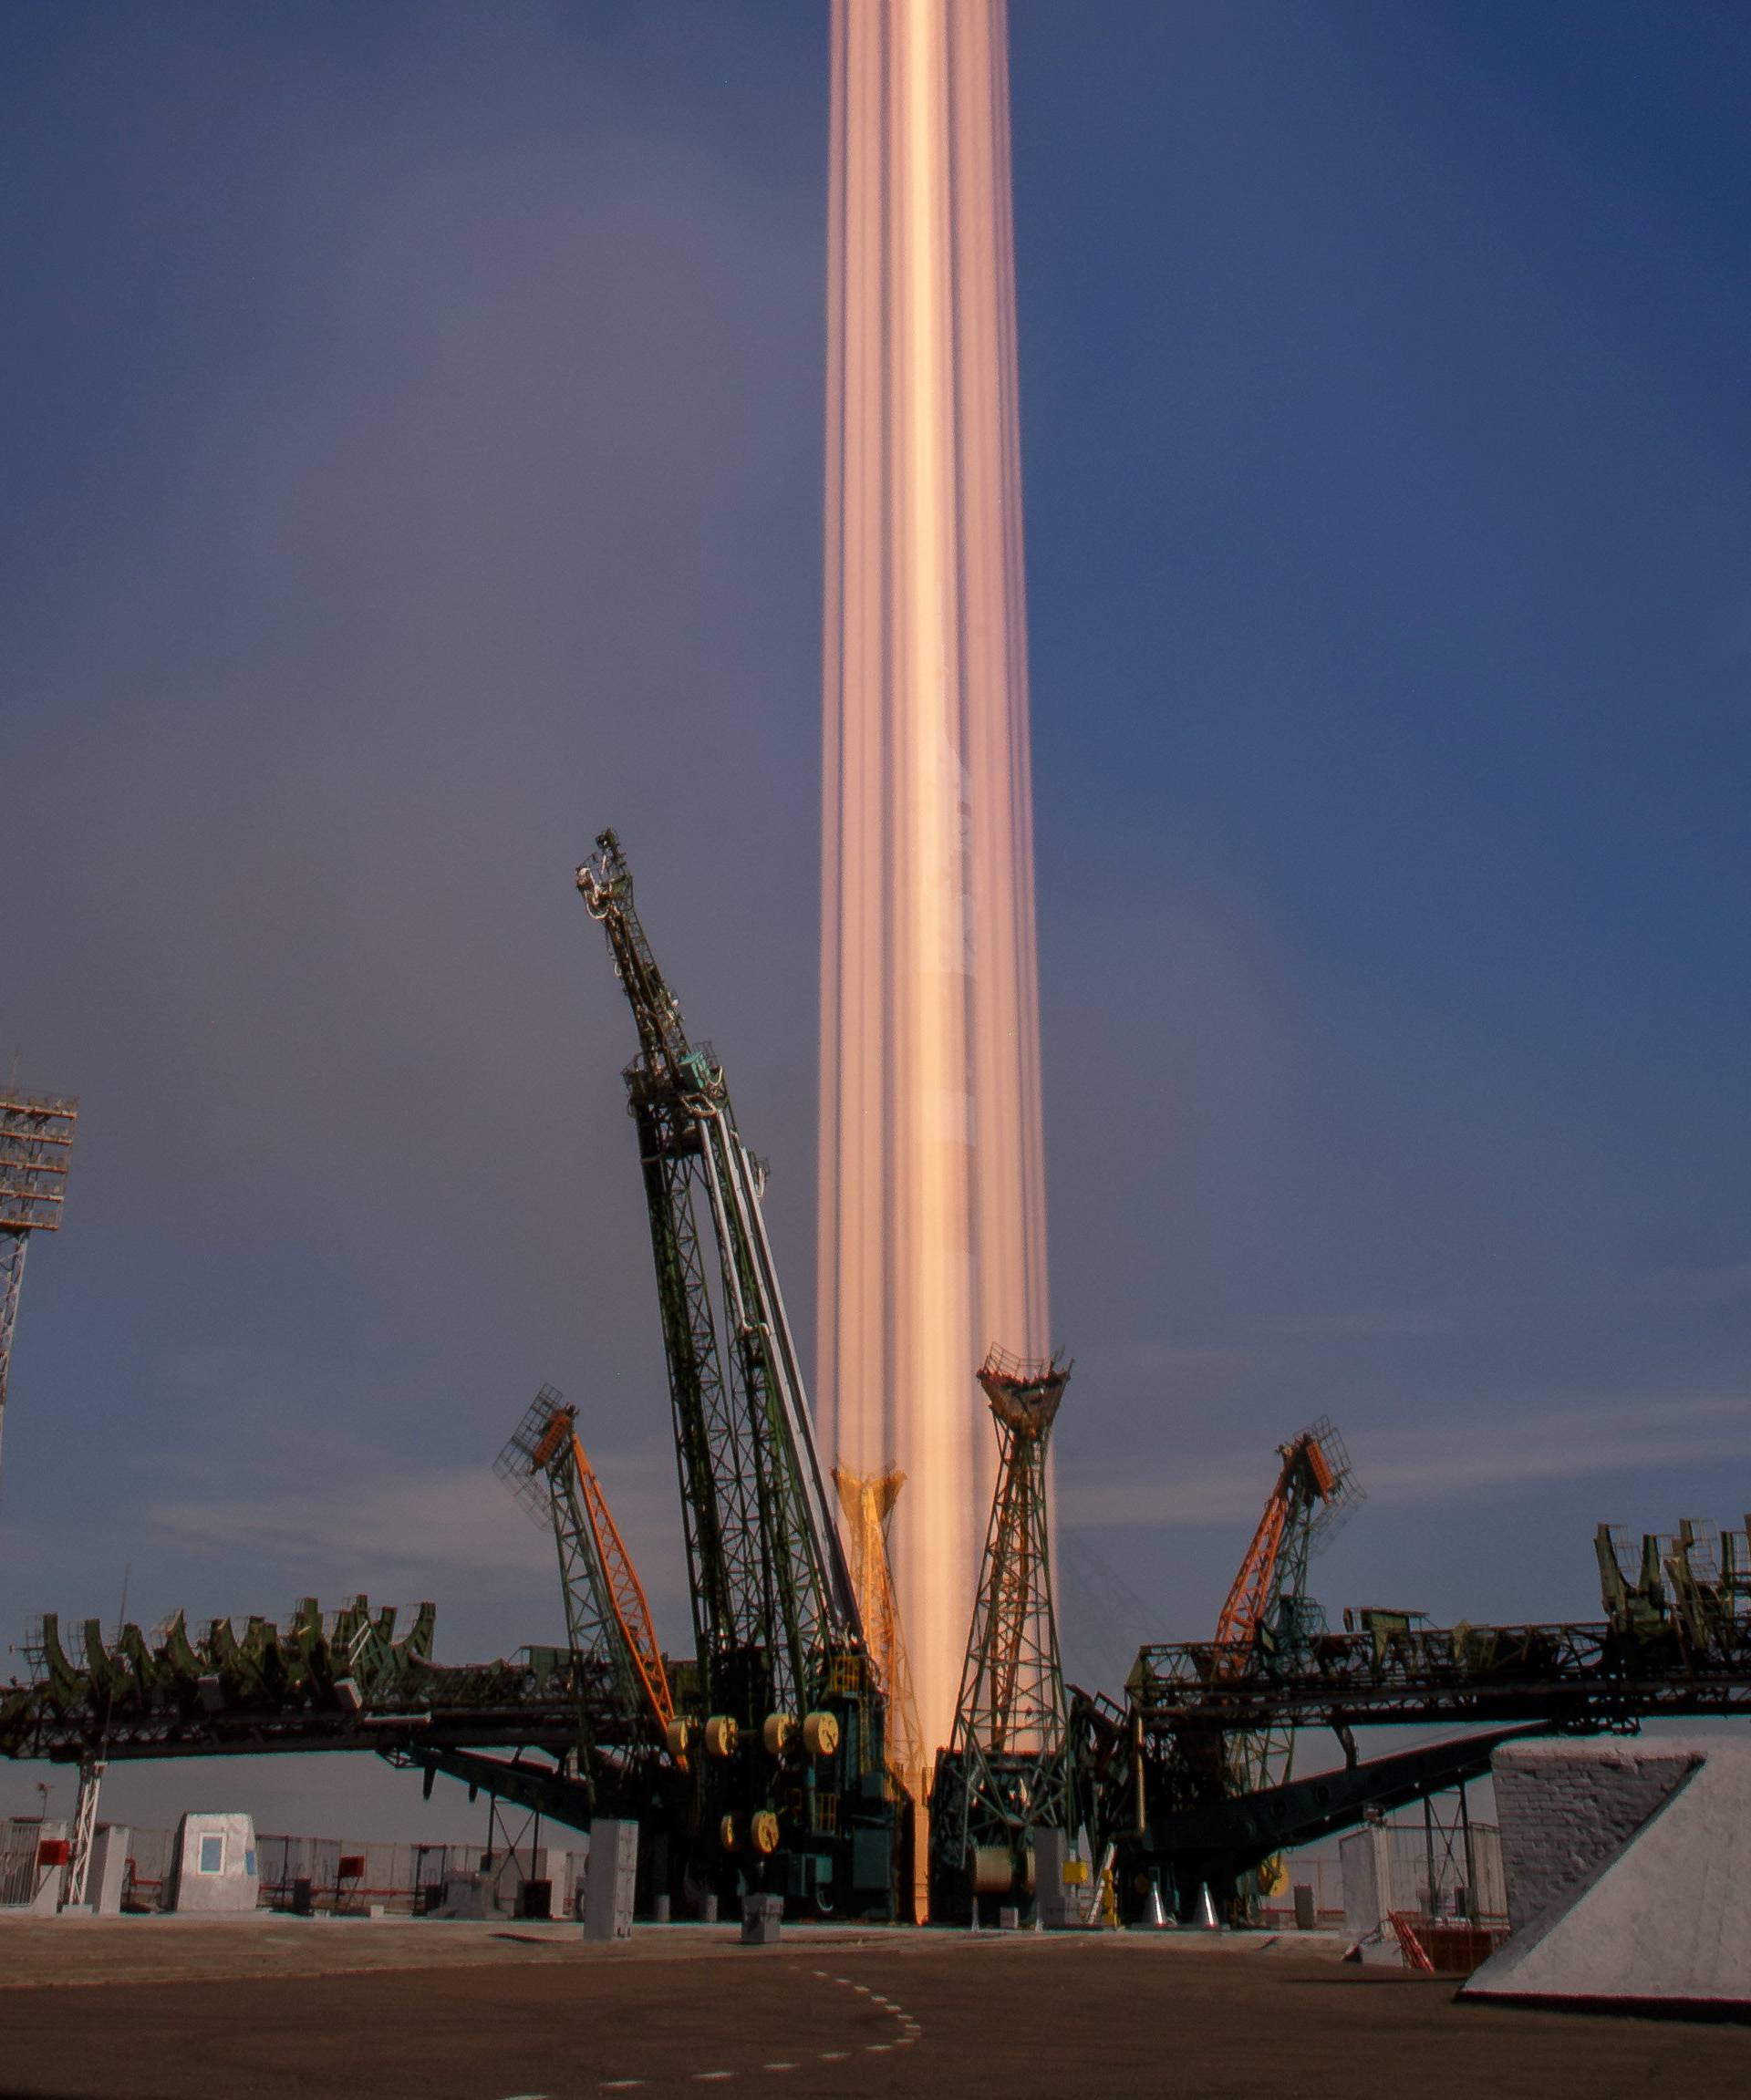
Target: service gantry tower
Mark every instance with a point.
(793, 1789)
(1008, 1770)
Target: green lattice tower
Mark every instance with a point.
(774, 1604)
(537, 1465)
(793, 1785)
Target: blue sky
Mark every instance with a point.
(413, 462)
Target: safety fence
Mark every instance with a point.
(20, 1837)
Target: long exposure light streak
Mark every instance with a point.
(932, 1225)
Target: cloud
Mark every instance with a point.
(1442, 1461)
(370, 1513)
(1712, 1284)
(432, 1525)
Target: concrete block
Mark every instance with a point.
(214, 1865)
(1629, 1875)
(473, 1896)
(1063, 1880)
(1365, 1862)
(107, 1876)
(761, 1916)
(610, 1879)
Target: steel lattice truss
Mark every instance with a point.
(1577, 1675)
(867, 1499)
(607, 1618)
(14, 1246)
(337, 1681)
(1268, 1614)
(1179, 1806)
(773, 1602)
(35, 1147)
(1008, 1769)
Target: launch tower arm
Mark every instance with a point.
(1313, 1486)
(626, 1596)
(607, 1620)
(605, 885)
(1265, 1613)
(772, 1597)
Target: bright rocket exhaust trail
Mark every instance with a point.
(932, 1212)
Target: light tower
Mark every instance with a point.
(35, 1145)
(1008, 1769)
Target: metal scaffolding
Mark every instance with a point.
(607, 1615)
(35, 1145)
(868, 1499)
(1008, 1769)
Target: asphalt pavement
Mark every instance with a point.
(146, 2010)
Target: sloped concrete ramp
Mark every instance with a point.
(1628, 1876)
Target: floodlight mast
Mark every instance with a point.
(35, 1146)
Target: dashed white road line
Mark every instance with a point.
(911, 2031)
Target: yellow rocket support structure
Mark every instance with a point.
(867, 1499)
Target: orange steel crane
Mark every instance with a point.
(1267, 1611)
(1315, 1484)
(607, 1612)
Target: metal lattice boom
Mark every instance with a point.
(607, 1615)
(868, 1499)
(36, 1149)
(773, 1601)
(1268, 1612)
(1009, 1768)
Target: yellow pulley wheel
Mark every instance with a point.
(721, 1735)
